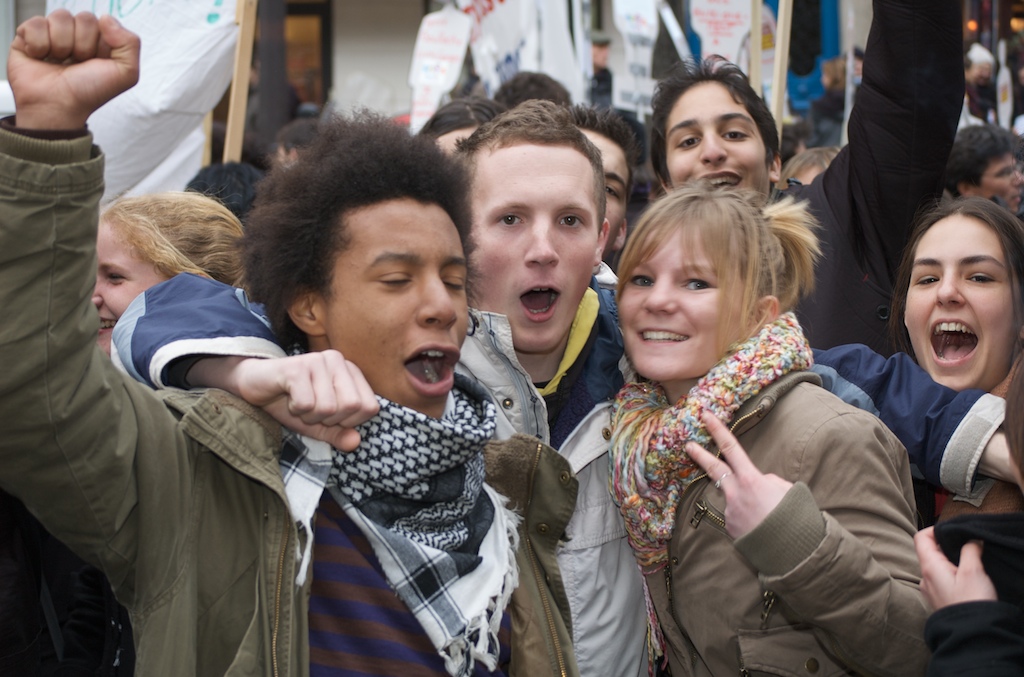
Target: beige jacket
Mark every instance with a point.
(827, 584)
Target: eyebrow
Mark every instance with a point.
(614, 177)
(690, 269)
(727, 117)
(966, 261)
(530, 208)
(696, 269)
(415, 259)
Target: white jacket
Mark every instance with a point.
(599, 571)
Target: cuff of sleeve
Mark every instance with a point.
(177, 371)
(963, 453)
(787, 536)
(55, 149)
(965, 616)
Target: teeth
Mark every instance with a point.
(663, 336)
(952, 326)
(433, 353)
(107, 324)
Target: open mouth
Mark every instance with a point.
(723, 180)
(539, 300)
(663, 336)
(431, 366)
(952, 341)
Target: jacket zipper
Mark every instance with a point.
(277, 604)
(742, 419)
(668, 574)
(541, 583)
(769, 602)
(702, 511)
(526, 397)
(769, 605)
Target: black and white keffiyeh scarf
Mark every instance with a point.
(415, 488)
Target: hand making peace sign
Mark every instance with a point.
(749, 494)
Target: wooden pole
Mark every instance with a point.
(208, 134)
(245, 17)
(756, 47)
(783, 25)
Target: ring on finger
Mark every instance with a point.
(718, 484)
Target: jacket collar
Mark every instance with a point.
(754, 410)
(492, 339)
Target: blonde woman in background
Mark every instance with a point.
(145, 240)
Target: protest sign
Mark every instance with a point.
(781, 67)
(504, 39)
(766, 63)
(582, 19)
(437, 58)
(637, 21)
(722, 26)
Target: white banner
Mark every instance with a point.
(768, 30)
(637, 21)
(188, 51)
(557, 56)
(504, 40)
(436, 61)
(722, 26)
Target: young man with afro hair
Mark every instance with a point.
(200, 509)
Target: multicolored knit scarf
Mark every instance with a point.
(649, 468)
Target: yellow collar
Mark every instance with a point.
(579, 332)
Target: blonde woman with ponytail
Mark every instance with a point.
(795, 556)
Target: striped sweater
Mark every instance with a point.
(357, 625)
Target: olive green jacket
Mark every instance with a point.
(540, 486)
(177, 497)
